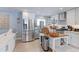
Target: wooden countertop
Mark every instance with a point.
(60, 35)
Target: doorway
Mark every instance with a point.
(40, 23)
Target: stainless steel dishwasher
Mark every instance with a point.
(45, 43)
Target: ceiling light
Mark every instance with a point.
(61, 8)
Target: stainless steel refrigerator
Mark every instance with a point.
(28, 28)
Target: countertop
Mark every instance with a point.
(5, 37)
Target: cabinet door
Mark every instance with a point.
(3, 49)
(11, 45)
(77, 16)
(74, 39)
(71, 17)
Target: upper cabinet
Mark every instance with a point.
(62, 16)
(77, 16)
(71, 17)
(56, 17)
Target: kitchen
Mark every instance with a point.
(40, 29)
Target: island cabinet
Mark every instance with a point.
(72, 39)
(57, 42)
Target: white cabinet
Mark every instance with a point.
(3, 49)
(77, 16)
(71, 17)
(8, 43)
(74, 38)
(11, 45)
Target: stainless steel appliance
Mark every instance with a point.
(45, 43)
(27, 32)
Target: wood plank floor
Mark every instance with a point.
(35, 46)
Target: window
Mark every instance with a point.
(4, 23)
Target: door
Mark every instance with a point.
(41, 24)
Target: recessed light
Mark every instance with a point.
(61, 8)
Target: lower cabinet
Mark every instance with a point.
(11, 45)
(8, 46)
(3, 49)
(74, 38)
(57, 43)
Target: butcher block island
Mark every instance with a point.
(54, 38)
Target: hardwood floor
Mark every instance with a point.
(33, 46)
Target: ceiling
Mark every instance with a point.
(43, 11)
